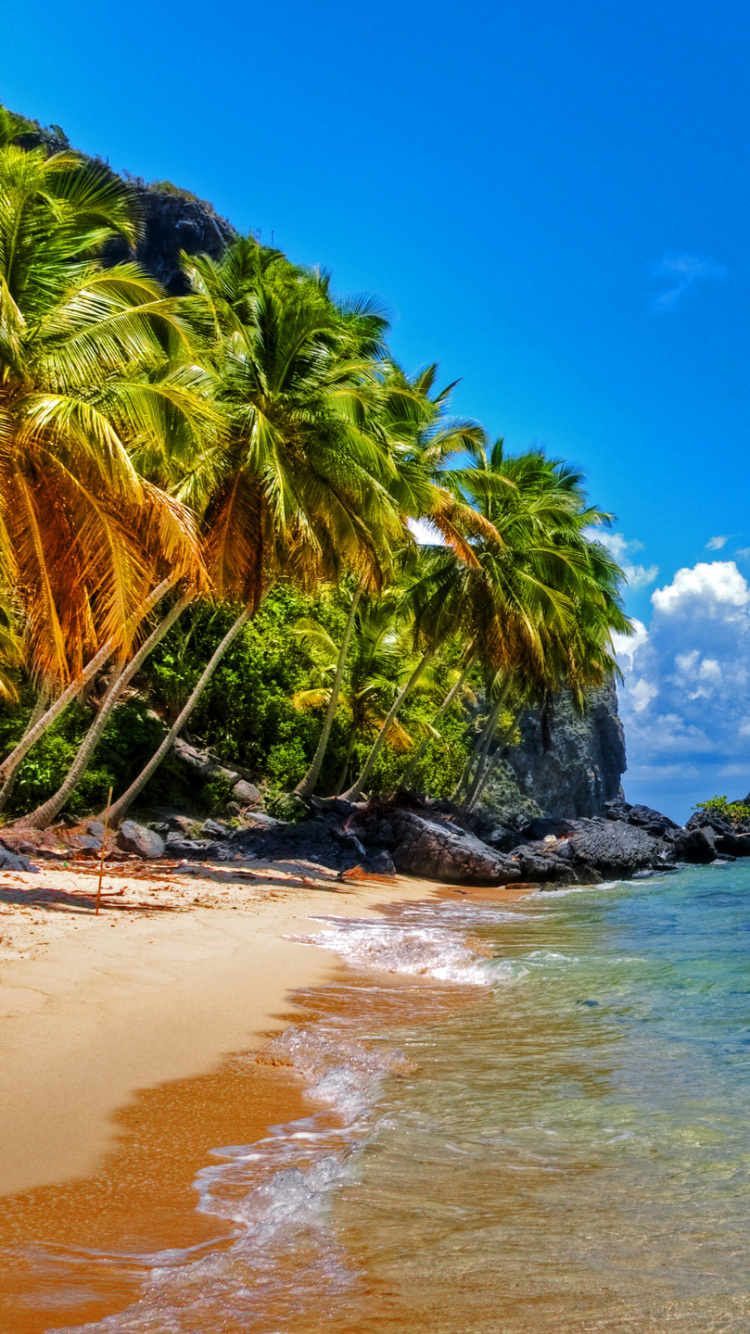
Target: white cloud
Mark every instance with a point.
(703, 590)
(626, 646)
(685, 698)
(622, 548)
(680, 273)
(716, 543)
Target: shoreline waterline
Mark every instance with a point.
(527, 1112)
(128, 1055)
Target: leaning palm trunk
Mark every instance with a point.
(355, 791)
(306, 786)
(123, 803)
(484, 761)
(482, 781)
(45, 814)
(31, 737)
(465, 778)
(347, 761)
(10, 781)
(488, 732)
(421, 748)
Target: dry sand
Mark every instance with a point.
(131, 1045)
(175, 971)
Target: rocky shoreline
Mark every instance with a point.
(405, 836)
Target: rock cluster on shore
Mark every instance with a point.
(423, 839)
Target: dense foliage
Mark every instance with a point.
(207, 509)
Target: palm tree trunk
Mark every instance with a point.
(123, 803)
(487, 734)
(347, 760)
(10, 781)
(46, 813)
(481, 785)
(466, 775)
(421, 748)
(485, 760)
(306, 786)
(355, 791)
(30, 738)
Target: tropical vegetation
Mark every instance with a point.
(232, 510)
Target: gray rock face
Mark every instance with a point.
(435, 850)
(132, 837)
(567, 763)
(170, 223)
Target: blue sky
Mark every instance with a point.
(553, 199)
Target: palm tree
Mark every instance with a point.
(93, 362)
(423, 439)
(378, 663)
(297, 487)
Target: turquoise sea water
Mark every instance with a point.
(522, 1120)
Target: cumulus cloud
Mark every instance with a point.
(686, 689)
(623, 549)
(716, 543)
(679, 273)
(706, 590)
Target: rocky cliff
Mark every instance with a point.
(172, 220)
(567, 763)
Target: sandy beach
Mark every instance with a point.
(174, 972)
(132, 1044)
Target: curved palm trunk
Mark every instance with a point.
(488, 732)
(421, 748)
(306, 786)
(481, 785)
(10, 782)
(355, 791)
(45, 814)
(12, 761)
(484, 761)
(123, 803)
(468, 767)
(347, 761)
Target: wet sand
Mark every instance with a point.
(130, 1047)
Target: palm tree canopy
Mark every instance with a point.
(95, 364)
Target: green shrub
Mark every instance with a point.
(730, 810)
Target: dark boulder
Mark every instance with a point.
(319, 841)
(538, 865)
(185, 849)
(435, 848)
(14, 861)
(132, 837)
(214, 829)
(616, 849)
(247, 794)
(502, 839)
(696, 845)
(645, 817)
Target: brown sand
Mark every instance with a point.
(174, 973)
(119, 1071)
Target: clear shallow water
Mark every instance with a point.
(521, 1121)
